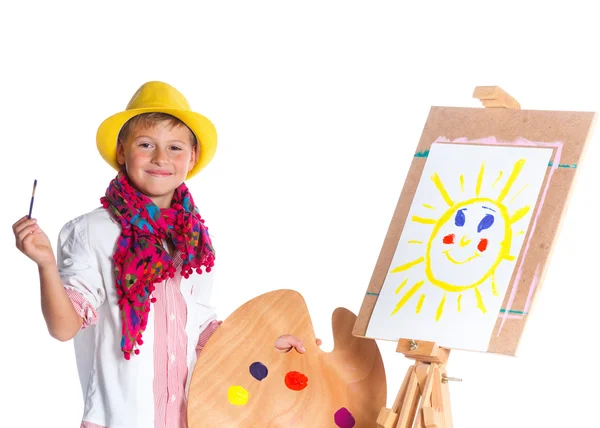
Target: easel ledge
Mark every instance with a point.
(424, 397)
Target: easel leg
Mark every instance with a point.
(445, 404)
(410, 403)
(433, 410)
(425, 383)
(403, 389)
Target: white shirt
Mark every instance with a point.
(118, 393)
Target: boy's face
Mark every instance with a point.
(157, 160)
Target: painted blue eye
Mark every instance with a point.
(459, 219)
(485, 223)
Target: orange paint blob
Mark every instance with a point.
(296, 381)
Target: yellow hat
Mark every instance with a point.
(158, 97)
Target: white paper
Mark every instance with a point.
(461, 240)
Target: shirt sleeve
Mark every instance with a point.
(79, 272)
(83, 308)
(86, 424)
(206, 334)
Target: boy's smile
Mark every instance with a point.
(159, 173)
(157, 159)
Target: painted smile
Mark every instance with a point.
(457, 262)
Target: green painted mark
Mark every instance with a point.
(564, 165)
(512, 311)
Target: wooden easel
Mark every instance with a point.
(424, 397)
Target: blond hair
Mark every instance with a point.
(149, 120)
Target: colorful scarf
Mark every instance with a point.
(141, 259)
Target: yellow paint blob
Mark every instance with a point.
(237, 395)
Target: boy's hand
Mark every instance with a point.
(33, 242)
(286, 342)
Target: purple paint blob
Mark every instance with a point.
(258, 370)
(343, 418)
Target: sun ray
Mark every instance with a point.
(458, 301)
(494, 289)
(480, 304)
(431, 207)
(519, 214)
(511, 180)
(420, 304)
(401, 285)
(497, 179)
(407, 296)
(440, 309)
(408, 265)
(440, 186)
(462, 183)
(412, 241)
(423, 220)
(480, 179)
(518, 193)
(509, 257)
(521, 232)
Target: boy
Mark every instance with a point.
(132, 280)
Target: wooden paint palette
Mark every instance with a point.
(241, 380)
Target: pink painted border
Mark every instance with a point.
(492, 141)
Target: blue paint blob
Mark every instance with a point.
(485, 222)
(460, 219)
(258, 370)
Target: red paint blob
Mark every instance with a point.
(482, 245)
(449, 239)
(296, 381)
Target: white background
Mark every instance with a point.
(319, 107)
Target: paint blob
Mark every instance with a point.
(296, 381)
(237, 395)
(258, 370)
(343, 418)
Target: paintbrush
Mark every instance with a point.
(32, 195)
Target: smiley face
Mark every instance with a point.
(467, 243)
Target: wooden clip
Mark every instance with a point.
(494, 97)
(428, 352)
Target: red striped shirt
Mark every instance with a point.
(170, 351)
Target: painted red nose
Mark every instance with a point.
(482, 245)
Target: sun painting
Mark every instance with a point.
(468, 241)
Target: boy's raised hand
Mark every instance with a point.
(33, 242)
(286, 342)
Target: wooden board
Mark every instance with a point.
(565, 132)
(351, 377)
